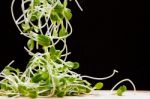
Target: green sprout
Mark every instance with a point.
(48, 73)
(121, 90)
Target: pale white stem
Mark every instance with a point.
(30, 53)
(104, 78)
(78, 5)
(12, 12)
(66, 54)
(11, 62)
(66, 51)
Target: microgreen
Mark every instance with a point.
(30, 44)
(45, 23)
(43, 40)
(121, 90)
(48, 72)
(98, 85)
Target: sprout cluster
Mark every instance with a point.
(46, 23)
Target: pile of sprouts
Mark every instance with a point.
(46, 24)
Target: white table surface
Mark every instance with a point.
(99, 95)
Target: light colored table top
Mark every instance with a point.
(99, 95)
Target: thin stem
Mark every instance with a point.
(78, 5)
(104, 78)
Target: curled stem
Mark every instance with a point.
(104, 78)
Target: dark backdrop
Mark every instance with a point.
(109, 34)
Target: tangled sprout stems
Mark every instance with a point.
(48, 73)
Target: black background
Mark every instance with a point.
(109, 34)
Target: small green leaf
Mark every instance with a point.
(36, 78)
(25, 27)
(54, 17)
(65, 3)
(6, 72)
(3, 86)
(35, 16)
(76, 65)
(57, 13)
(40, 76)
(98, 85)
(59, 8)
(121, 90)
(60, 94)
(62, 32)
(68, 14)
(54, 54)
(33, 93)
(30, 44)
(55, 34)
(58, 53)
(36, 2)
(23, 90)
(72, 65)
(45, 75)
(49, 1)
(52, 50)
(43, 40)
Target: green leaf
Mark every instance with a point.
(33, 93)
(98, 85)
(76, 65)
(52, 50)
(121, 90)
(36, 2)
(59, 8)
(49, 1)
(71, 79)
(45, 75)
(3, 86)
(65, 3)
(35, 16)
(6, 71)
(43, 40)
(58, 53)
(68, 14)
(25, 27)
(54, 54)
(62, 32)
(54, 16)
(57, 13)
(55, 34)
(61, 94)
(30, 44)
(72, 65)
(40, 76)
(23, 90)
(36, 78)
